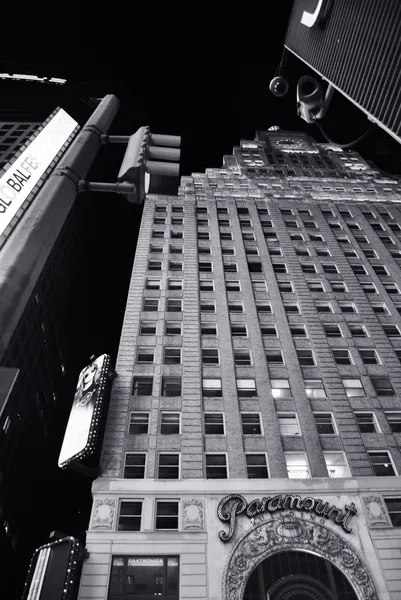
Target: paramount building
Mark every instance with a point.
(252, 448)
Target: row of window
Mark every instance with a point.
(242, 357)
(214, 423)
(246, 388)
(167, 513)
(216, 465)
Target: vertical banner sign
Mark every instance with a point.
(20, 179)
(84, 421)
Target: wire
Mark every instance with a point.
(349, 144)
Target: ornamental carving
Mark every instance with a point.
(192, 514)
(103, 514)
(291, 533)
(376, 514)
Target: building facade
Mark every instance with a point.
(252, 448)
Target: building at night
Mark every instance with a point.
(252, 448)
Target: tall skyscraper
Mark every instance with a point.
(252, 448)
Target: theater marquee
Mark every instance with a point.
(234, 505)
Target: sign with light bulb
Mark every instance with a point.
(84, 421)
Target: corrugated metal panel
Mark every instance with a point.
(358, 50)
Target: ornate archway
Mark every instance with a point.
(293, 533)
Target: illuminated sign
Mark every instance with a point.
(320, 13)
(233, 505)
(83, 424)
(20, 179)
(35, 78)
(53, 571)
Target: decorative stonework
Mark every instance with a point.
(292, 533)
(375, 511)
(103, 514)
(192, 514)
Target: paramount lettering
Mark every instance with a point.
(234, 505)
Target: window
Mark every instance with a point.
(178, 235)
(216, 466)
(210, 356)
(246, 388)
(391, 288)
(206, 285)
(222, 210)
(156, 249)
(203, 222)
(314, 389)
(245, 223)
(297, 465)
(169, 423)
(298, 330)
(352, 225)
(171, 386)
(280, 389)
(370, 253)
(286, 211)
(323, 252)
(204, 250)
(248, 235)
(362, 239)
(175, 249)
(230, 267)
(369, 357)
(139, 422)
(233, 285)
(178, 209)
(256, 466)
(325, 423)
(147, 328)
(166, 518)
(145, 355)
(380, 270)
(134, 467)
(214, 424)
(150, 304)
(379, 308)
(279, 268)
(381, 463)
(291, 224)
(224, 223)
(256, 267)
(172, 356)
(369, 287)
(336, 464)
(347, 307)
(226, 235)
(338, 286)
(359, 269)
(208, 329)
(377, 226)
(264, 308)
(242, 358)
(228, 251)
(357, 330)
(382, 386)
(366, 422)
(239, 331)
(142, 386)
(342, 357)
(316, 237)
(391, 330)
(353, 388)
(177, 221)
(334, 225)
(235, 307)
(302, 252)
(310, 224)
(306, 358)
(203, 235)
(159, 221)
(332, 330)
(297, 237)
(157, 234)
(394, 510)
(155, 265)
(174, 305)
(153, 284)
(259, 287)
(211, 388)
(205, 267)
(251, 424)
(274, 357)
(129, 518)
(315, 286)
(207, 306)
(285, 287)
(242, 210)
(394, 420)
(330, 268)
(177, 266)
(173, 328)
(175, 284)
(268, 330)
(169, 466)
(308, 268)
(201, 210)
(291, 308)
(288, 423)
(343, 239)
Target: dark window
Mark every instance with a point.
(394, 510)
(145, 355)
(381, 463)
(332, 330)
(242, 358)
(324, 423)
(285, 287)
(366, 422)
(391, 330)
(172, 356)
(238, 331)
(279, 268)
(210, 356)
(171, 386)
(158, 576)
(166, 518)
(174, 305)
(369, 357)
(256, 267)
(305, 358)
(251, 424)
(169, 466)
(208, 329)
(268, 330)
(274, 357)
(394, 420)
(342, 357)
(256, 466)
(175, 266)
(233, 286)
(208, 307)
(142, 386)
(298, 330)
(211, 388)
(382, 386)
(173, 328)
(154, 265)
(170, 423)
(357, 330)
(216, 466)
(129, 518)
(139, 423)
(147, 328)
(330, 268)
(134, 467)
(214, 424)
(151, 304)
(230, 267)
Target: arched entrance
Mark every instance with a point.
(294, 535)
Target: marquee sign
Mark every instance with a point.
(20, 179)
(84, 422)
(233, 505)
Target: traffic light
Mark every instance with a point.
(137, 169)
